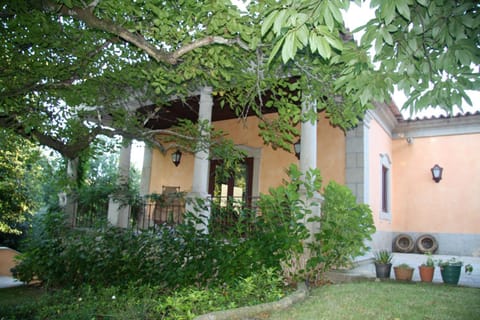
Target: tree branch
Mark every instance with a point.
(160, 55)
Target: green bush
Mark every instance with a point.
(184, 256)
(345, 226)
(148, 302)
(170, 257)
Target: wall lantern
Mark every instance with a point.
(297, 147)
(437, 173)
(176, 156)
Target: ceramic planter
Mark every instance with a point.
(451, 273)
(426, 273)
(382, 270)
(403, 274)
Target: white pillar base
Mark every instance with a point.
(118, 213)
(200, 210)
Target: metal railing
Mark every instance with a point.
(169, 209)
(225, 213)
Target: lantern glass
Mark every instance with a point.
(297, 147)
(437, 172)
(176, 157)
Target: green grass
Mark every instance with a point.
(386, 300)
(358, 300)
(18, 295)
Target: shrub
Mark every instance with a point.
(184, 256)
(345, 225)
(149, 302)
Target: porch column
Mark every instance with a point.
(146, 171)
(201, 167)
(145, 220)
(118, 209)
(308, 159)
(69, 199)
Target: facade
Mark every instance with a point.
(385, 160)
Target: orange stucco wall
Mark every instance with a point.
(273, 163)
(379, 142)
(330, 151)
(7, 261)
(450, 206)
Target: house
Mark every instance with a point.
(386, 161)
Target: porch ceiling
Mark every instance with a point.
(168, 115)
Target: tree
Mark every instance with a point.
(21, 178)
(70, 68)
(428, 48)
(72, 71)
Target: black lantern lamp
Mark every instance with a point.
(297, 147)
(437, 173)
(176, 157)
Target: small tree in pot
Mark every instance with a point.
(383, 264)
(427, 269)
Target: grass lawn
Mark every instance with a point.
(358, 300)
(19, 295)
(386, 300)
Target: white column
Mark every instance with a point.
(146, 171)
(201, 166)
(118, 210)
(308, 160)
(71, 195)
(145, 220)
(308, 147)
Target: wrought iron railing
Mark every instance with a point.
(225, 212)
(169, 209)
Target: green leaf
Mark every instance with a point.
(335, 11)
(388, 11)
(423, 2)
(275, 49)
(289, 48)
(334, 42)
(324, 48)
(387, 37)
(279, 21)
(403, 8)
(68, 3)
(268, 22)
(312, 41)
(302, 35)
(329, 20)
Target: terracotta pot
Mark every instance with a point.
(426, 273)
(404, 274)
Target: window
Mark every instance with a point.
(237, 185)
(385, 187)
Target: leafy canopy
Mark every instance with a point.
(73, 70)
(428, 48)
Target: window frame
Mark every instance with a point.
(385, 187)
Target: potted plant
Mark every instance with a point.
(403, 272)
(383, 264)
(451, 270)
(427, 269)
